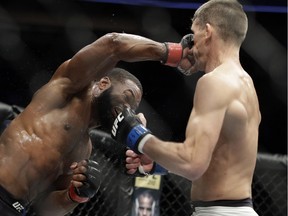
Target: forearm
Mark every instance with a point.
(99, 57)
(178, 158)
(132, 48)
(156, 149)
(57, 203)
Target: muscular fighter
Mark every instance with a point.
(44, 151)
(220, 148)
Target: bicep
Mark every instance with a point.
(206, 119)
(202, 134)
(205, 127)
(211, 100)
(90, 63)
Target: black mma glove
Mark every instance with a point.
(174, 51)
(90, 185)
(128, 130)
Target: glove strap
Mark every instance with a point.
(75, 197)
(137, 136)
(174, 54)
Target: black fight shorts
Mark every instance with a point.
(230, 203)
(10, 206)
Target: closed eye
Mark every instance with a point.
(130, 98)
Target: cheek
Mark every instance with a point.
(117, 109)
(198, 48)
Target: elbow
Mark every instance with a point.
(112, 41)
(111, 37)
(195, 171)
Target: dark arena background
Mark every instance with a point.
(37, 36)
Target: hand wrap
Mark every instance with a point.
(174, 51)
(128, 130)
(90, 185)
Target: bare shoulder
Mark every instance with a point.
(217, 83)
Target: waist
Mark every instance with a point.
(230, 203)
(16, 204)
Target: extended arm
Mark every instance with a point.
(191, 158)
(96, 59)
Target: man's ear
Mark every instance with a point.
(104, 83)
(208, 31)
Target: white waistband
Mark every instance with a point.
(224, 211)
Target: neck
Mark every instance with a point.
(221, 55)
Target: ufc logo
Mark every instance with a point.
(18, 206)
(119, 118)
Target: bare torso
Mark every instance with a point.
(37, 149)
(229, 175)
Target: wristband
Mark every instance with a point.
(134, 137)
(174, 54)
(75, 197)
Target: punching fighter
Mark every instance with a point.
(45, 150)
(219, 151)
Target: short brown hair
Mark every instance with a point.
(227, 16)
